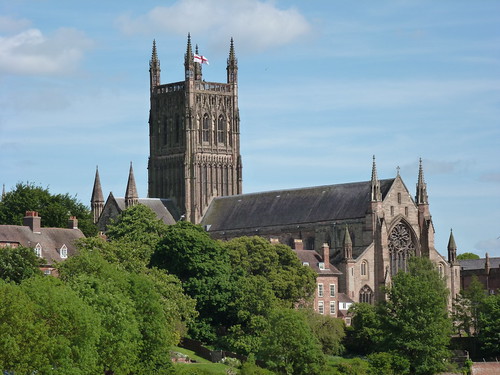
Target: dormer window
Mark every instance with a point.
(38, 250)
(305, 263)
(63, 252)
(321, 265)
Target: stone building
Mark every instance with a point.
(51, 244)
(372, 227)
(194, 136)
(486, 270)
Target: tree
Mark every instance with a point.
(329, 331)
(18, 263)
(55, 210)
(489, 326)
(415, 317)
(202, 265)
(467, 306)
(383, 363)
(465, 256)
(365, 334)
(289, 345)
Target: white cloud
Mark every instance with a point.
(30, 52)
(257, 25)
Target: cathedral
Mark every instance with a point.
(371, 228)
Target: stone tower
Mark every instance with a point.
(194, 136)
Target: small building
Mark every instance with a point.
(487, 271)
(51, 244)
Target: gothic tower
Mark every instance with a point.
(97, 199)
(194, 136)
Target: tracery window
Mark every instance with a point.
(366, 294)
(205, 129)
(401, 248)
(221, 130)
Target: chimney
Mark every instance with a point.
(73, 222)
(33, 221)
(274, 240)
(325, 254)
(297, 244)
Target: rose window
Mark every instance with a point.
(401, 247)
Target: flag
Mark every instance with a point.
(200, 59)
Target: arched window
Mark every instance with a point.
(177, 129)
(364, 268)
(221, 130)
(165, 131)
(399, 198)
(63, 251)
(205, 129)
(38, 250)
(366, 294)
(401, 248)
(441, 269)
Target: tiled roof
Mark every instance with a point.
(287, 207)
(51, 239)
(342, 297)
(478, 264)
(313, 258)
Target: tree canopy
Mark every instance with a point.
(18, 263)
(465, 256)
(54, 210)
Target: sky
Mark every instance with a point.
(323, 86)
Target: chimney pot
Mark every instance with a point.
(298, 244)
(33, 221)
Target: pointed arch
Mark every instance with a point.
(205, 131)
(366, 294)
(402, 246)
(221, 130)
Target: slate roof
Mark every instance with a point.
(287, 207)
(164, 209)
(313, 258)
(51, 239)
(478, 264)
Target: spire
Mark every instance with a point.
(154, 68)
(347, 244)
(131, 196)
(376, 194)
(232, 65)
(97, 199)
(188, 58)
(452, 248)
(421, 196)
(197, 67)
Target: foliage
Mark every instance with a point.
(465, 256)
(365, 334)
(251, 368)
(328, 330)
(345, 366)
(53, 209)
(203, 267)
(466, 307)
(18, 263)
(489, 326)
(383, 363)
(415, 317)
(289, 345)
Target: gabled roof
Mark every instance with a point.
(478, 264)
(313, 259)
(51, 239)
(287, 207)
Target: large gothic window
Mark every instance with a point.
(205, 129)
(221, 130)
(177, 129)
(366, 294)
(401, 247)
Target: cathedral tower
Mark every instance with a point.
(194, 136)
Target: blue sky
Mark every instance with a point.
(323, 86)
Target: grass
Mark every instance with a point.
(201, 363)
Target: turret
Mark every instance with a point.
(347, 245)
(421, 196)
(131, 196)
(232, 65)
(197, 67)
(97, 199)
(452, 249)
(154, 69)
(188, 60)
(424, 216)
(376, 195)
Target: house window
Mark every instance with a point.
(38, 250)
(221, 130)
(332, 307)
(321, 291)
(332, 290)
(205, 129)
(321, 307)
(63, 252)
(321, 265)
(305, 263)
(364, 268)
(47, 272)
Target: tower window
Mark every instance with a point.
(177, 129)
(221, 130)
(205, 129)
(364, 268)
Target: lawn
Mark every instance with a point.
(201, 363)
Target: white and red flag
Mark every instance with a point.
(200, 59)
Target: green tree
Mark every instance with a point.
(465, 256)
(289, 346)
(203, 267)
(489, 326)
(415, 317)
(55, 210)
(18, 263)
(329, 331)
(365, 334)
(467, 306)
(383, 363)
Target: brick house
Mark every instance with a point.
(487, 271)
